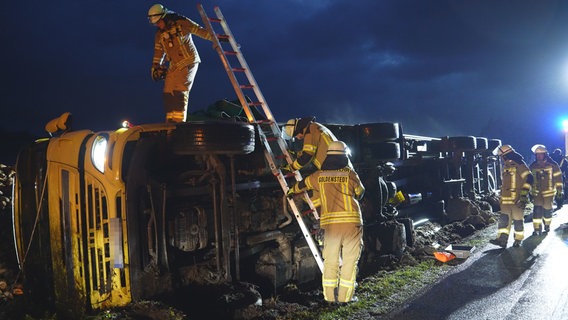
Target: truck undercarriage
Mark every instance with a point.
(196, 203)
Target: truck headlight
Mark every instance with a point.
(98, 153)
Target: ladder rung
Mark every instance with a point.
(246, 86)
(255, 103)
(289, 175)
(214, 19)
(307, 212)
(230, 53)
(222, 36)
(239, 69)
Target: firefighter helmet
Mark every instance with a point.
(156, 12)
(289, 128)
(337, 148)
(539, 148)
(504, 149)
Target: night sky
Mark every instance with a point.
(487, 68)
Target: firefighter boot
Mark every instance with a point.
(501, 240)
(546, 228)
(537, 231)
(517, 243)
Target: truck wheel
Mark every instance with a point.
(374, 132)
(213, 137)
(386, 151)
(462, 143)
(481, 143)
(493, 144)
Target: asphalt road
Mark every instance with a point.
(528, 282)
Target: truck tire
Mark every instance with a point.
(213, 137)
(377, 132)
(466, 143)
(481, 143)
(386, 151)
(493, 144)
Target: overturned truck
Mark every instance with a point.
(105, 218)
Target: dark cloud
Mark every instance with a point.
(454, 67)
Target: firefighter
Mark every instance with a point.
(316, 138)
(175, 58)
(562, 162)
(341, 220)
(516, 184)
(547, 187)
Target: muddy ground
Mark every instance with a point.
(234, 301)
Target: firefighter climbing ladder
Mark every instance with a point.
(258, 112)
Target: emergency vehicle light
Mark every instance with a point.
(98, 153)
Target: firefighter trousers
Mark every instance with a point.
(540, 215)
(177, 85)
(511, 214)
(342, 241)
(542, 211)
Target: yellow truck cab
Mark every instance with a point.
(102, 218)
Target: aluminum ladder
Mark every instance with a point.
(258, 112)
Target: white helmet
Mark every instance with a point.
(539, 148)
(504, 149)
(337, 148)
(289, 128)
(156, 12)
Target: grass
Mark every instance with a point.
(380, 293)
(384, 291)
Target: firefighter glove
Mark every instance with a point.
(287, 167)
(320, 236)
(290, 192)
(559, 199)
(523, 201)
(158, 72)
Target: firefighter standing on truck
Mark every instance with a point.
(547, 187)
(516, 184)
(175, 58)
(340, 189)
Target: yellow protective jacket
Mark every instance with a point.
(316, 141)
(547, 178)
(339, 192)
(175, 43)
(515, 180)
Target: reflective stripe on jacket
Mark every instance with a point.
(547, 178)
(514, 180)
(339, 192)
(316, 141)
(175, 43)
